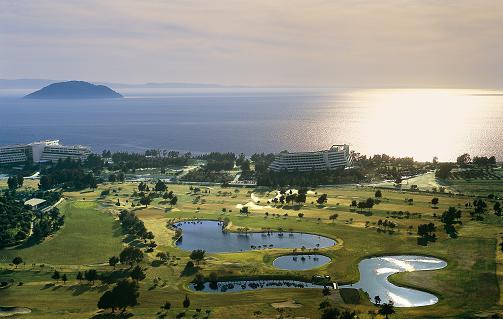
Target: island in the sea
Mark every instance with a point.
(74, 90)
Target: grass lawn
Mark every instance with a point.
(88, 236)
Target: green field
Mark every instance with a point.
(467, 286)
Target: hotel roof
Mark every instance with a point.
(34, 202)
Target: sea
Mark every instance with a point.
(419, 123)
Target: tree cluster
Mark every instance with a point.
(15, 220)
(216, 161)
(451, 217)
(134, 226)
(66, 174)
(124, 294)
(47, 223)
(130, 161)
(14, 182)
(426, 233)
(309, 179)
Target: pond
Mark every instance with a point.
(300, 262)
(242, 285)
(374, 273)
(209, 235)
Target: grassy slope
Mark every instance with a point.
(88, 236)
(467, 285)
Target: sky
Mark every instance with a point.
(359, 43)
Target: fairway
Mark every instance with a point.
(89, 236)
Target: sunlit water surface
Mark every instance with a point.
(208, 235)
(405, 122)
(374, 273)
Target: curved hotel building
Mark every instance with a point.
(336, 157)
(44, 151)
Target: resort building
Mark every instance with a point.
(336, 157)
(43, 151)
(14, 154)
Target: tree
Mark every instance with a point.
(20, 180)
(386, 309)
(444, 170)
(186, 302)
(162, 256)
(166, 306)
(107, 301)
(330, 312)
(112, 261)
(463, 159)
(434, 201)
(64, 278)
(497, 208)
(17, 261)
(137, 274)
(56, 275)
(160, 186)
(173, 200)
(80, 276)
(131, 255)
(378, 194)
(125, 294)
(91, 275)
(426, 232)
(145, 200)
(479, 206)
(197, 255)
(361, 206)
(12, 183)
(449, 218)
(112, 178)
(369, 203)
(333, 217)
(322, 199)
(142, 187)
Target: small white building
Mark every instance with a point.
(35, 203)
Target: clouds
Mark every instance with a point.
(292, 42)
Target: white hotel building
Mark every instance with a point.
(337, 156)
(43, 151)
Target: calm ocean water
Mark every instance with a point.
(405, 122)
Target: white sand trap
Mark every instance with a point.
(255, 198)
(252, 205)
(286, 304)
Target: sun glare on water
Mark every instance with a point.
(421, 123)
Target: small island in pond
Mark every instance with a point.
(74, 90)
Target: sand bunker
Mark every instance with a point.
(286, 304)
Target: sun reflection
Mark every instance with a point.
(419, 122)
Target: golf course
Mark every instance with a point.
(468, 285)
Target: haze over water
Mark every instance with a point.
(421, 123)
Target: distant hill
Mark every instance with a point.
(74, 90)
